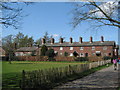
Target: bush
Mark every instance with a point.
(33, 53)
(65, 54)
(106, 57)
(44, 49)
(75, 54)
(50, 53)
(81, 59)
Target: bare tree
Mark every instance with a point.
(99, 13)
(11, 14)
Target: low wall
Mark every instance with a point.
(58, 58)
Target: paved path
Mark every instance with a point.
(105, 79)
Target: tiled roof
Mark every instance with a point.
(30, 49)
(95, 43)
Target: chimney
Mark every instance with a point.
(102, 39)
(71, 40)
(61, 40)
(52, 40)
(81, 40)
(91, 40)
(43, 41)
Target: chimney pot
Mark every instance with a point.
(71, 40)
(61, 40)
(81, 40)
(52, 40)
(91, 39)
(102, 39)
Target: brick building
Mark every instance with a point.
(84, 49)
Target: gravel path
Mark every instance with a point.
(105, 79)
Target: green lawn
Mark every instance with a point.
(11, 73)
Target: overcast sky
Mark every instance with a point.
(55, 18)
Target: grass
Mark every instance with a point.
(11, 73)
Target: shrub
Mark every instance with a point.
(44, 49)
(75, 54)
(81, 59)
(106, 57)
(50, 53)
(65, 54)
(33, 53)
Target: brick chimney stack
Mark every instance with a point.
(81, 40)
(102, 39)
(43, 41)
(71, 40)
(61, 40)
(91, 39)
(52, 40)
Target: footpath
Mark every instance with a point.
(105, 79)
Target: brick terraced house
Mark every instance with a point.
(84, 49)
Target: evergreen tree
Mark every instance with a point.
(44, 49)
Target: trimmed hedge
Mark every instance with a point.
(106, 57)
(81, 59)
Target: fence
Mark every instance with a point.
(45, 78)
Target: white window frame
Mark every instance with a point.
(105, 48)
(71, 54)
(81, 54)
(61, 54)
(61, 48)
(93, 47)
(81, 48)
(71, 48)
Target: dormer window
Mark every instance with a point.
(71, 48)
(81, 48)
(61, 48)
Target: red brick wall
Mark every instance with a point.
(85, 50)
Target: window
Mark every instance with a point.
(61, 48)
(71, 48)
(98, 53)
(71, 54)
(109, 54)
(105, 54)
(93, 54)
(81, 48)
(86, 54)
(60, 53)
(93, 48)
(55, 52)
(105, 48)
(81, 54)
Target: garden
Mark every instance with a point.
(12, 73)
(43, 74)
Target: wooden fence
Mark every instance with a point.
(45, 78)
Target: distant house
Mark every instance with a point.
(2, 52)
(27, 51)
